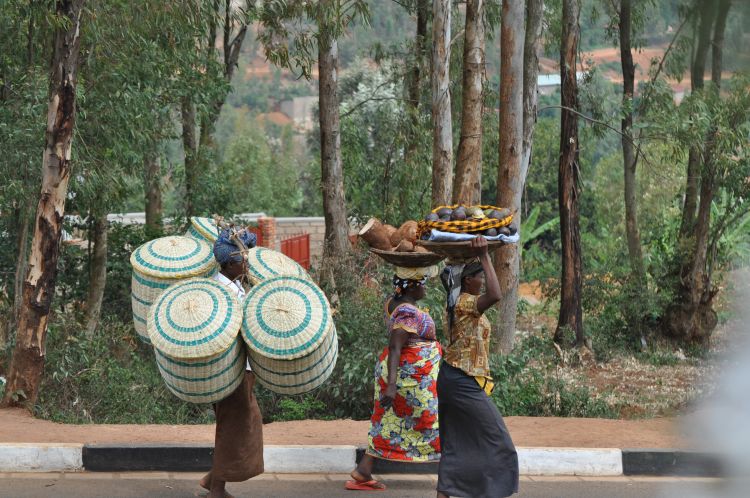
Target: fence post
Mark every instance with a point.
(268, 230)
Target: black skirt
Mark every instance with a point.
(478, 457)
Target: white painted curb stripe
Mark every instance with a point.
(308, 459)
(570, 461)
(33, 457)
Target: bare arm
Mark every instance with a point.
(397, 341)
(492, 285)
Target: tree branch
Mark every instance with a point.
(601, 123)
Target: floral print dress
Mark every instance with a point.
(408, 430)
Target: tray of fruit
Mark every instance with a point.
(397, 245)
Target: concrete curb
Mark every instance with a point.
(301, 459)
(32, 457)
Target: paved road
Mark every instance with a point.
(95, 485)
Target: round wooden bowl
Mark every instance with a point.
(409, 259)
(457, 250)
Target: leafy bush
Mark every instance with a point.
(108, 378)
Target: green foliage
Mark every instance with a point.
(526, 386)
(109, 378)
(258, 173)
(305, 408)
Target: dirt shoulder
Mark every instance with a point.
(17, 426)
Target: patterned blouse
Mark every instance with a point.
(469, 347)
(408, 317)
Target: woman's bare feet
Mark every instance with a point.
(205, 482)
(217, 490)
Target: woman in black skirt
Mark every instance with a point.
(478, 456)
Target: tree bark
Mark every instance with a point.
(697, 74)
(414, 89)
(332, 175)
(467, 188)
(630, 161)
(27, 363)
(152, 186)
(510, 177)
(97, 275)
(442, 131)
(190, 147)
(569, 189)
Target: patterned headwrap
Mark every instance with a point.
(225, 250)
(416, 277)
(451, 278)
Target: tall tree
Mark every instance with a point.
(692, 317)
(414, 83)
(293, 31)
(152, 189)
(332, 172)
(569, 181)
(28, 356)
(510, 177)
(705, 18)
(442, 129)
(216, 66)
(98, 272)
(515, 144)
(630, 160)
(467, 187)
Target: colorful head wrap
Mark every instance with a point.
(225, 250)
(414, 277)
(451, 278)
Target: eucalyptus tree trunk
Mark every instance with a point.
(98, 274)
(507, 258)
(697, 72)
(27, 364)
(510, 174)
(152, 188)
(332, 174)
(467, 187)
(630, 160)
(190, 148)
(568, 183)
(414, 88)
(442, 131)
(692, 317)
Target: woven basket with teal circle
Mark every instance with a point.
(174, 257)
(196, 318)
(204, 380)
(285, 318)
(266, 263)
(160, 263)
(299, 375)
(202, 229)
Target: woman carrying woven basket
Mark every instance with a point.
(404, 425)
(478, 456)
(238, 447)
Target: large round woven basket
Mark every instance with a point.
(285, 318)
(299, 375)
(202, 229)
(161, 263)
(173, 257)
(196, 318)
(266, 263)
(203, 380)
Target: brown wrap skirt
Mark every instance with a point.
(238, 449)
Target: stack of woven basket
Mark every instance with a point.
(194, 328)
(289, 331)
(163, 262)
(194, 322)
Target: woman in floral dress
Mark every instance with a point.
(404, 423)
